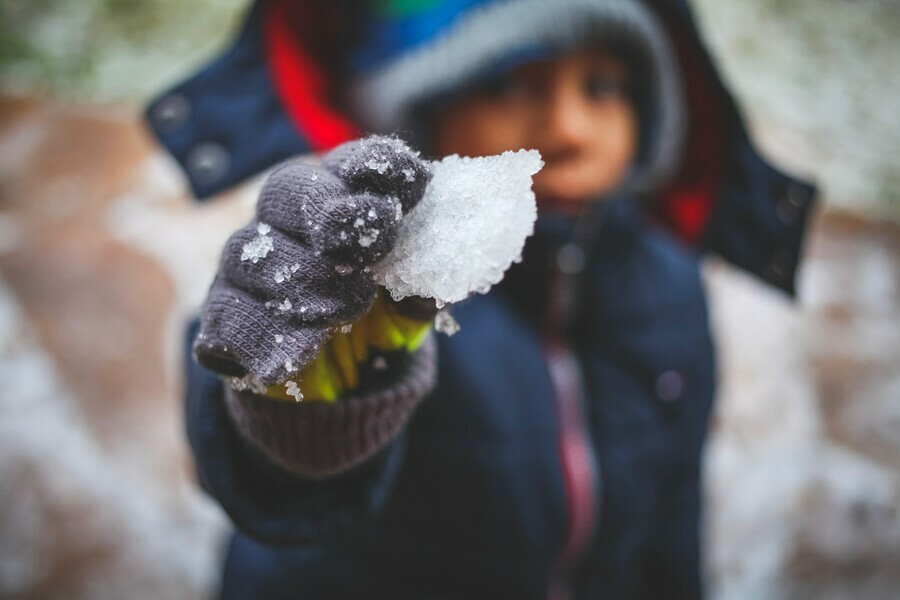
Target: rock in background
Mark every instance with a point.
(103, 256)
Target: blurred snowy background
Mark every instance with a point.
(103, 256)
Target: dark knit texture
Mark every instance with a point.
(313, 439)
(317, 230)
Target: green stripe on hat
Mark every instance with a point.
(400, 8)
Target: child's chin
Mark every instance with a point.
(561, 205)
(564, 196)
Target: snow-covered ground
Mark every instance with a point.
(804, 464)
(97, 499)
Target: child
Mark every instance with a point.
(558, 454)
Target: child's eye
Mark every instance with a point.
(603, 88)
(507, 88)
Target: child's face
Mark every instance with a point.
(573, 109)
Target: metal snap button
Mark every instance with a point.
(781, 263)
(793, 199)
(787, 212)
(171, 112)
(796, 195)
(208, 162)
(669, 386)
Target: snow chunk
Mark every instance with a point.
(468, 228)
(247, 382)
(367, 237)
(283, 273)
(291, 389)
(445, 323)
(260, 246)
(378, 165)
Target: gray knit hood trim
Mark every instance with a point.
(385, 99)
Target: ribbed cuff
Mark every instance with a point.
(316, 439)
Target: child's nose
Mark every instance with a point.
(566, 122)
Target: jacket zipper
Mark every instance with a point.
(576, 452)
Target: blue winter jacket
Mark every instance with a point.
(476, 498)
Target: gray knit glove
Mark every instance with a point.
(301, 267)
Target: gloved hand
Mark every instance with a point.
(301, 268)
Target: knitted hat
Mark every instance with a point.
(413, 53)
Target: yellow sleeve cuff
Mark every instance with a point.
(335, 371)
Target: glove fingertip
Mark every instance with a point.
(382, 165)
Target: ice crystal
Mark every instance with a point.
(247, 383)
(291, 389)
(445, 323)
(283, 273)
(260, 246)
(376, 164)
(367, 237)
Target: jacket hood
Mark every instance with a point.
(274, 93)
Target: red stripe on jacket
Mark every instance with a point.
(301, 82)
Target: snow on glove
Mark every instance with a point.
(301, 267)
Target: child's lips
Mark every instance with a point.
(556, 204)
(562, 189)
(565, 180)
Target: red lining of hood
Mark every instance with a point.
(687, 202)
(301, 82)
